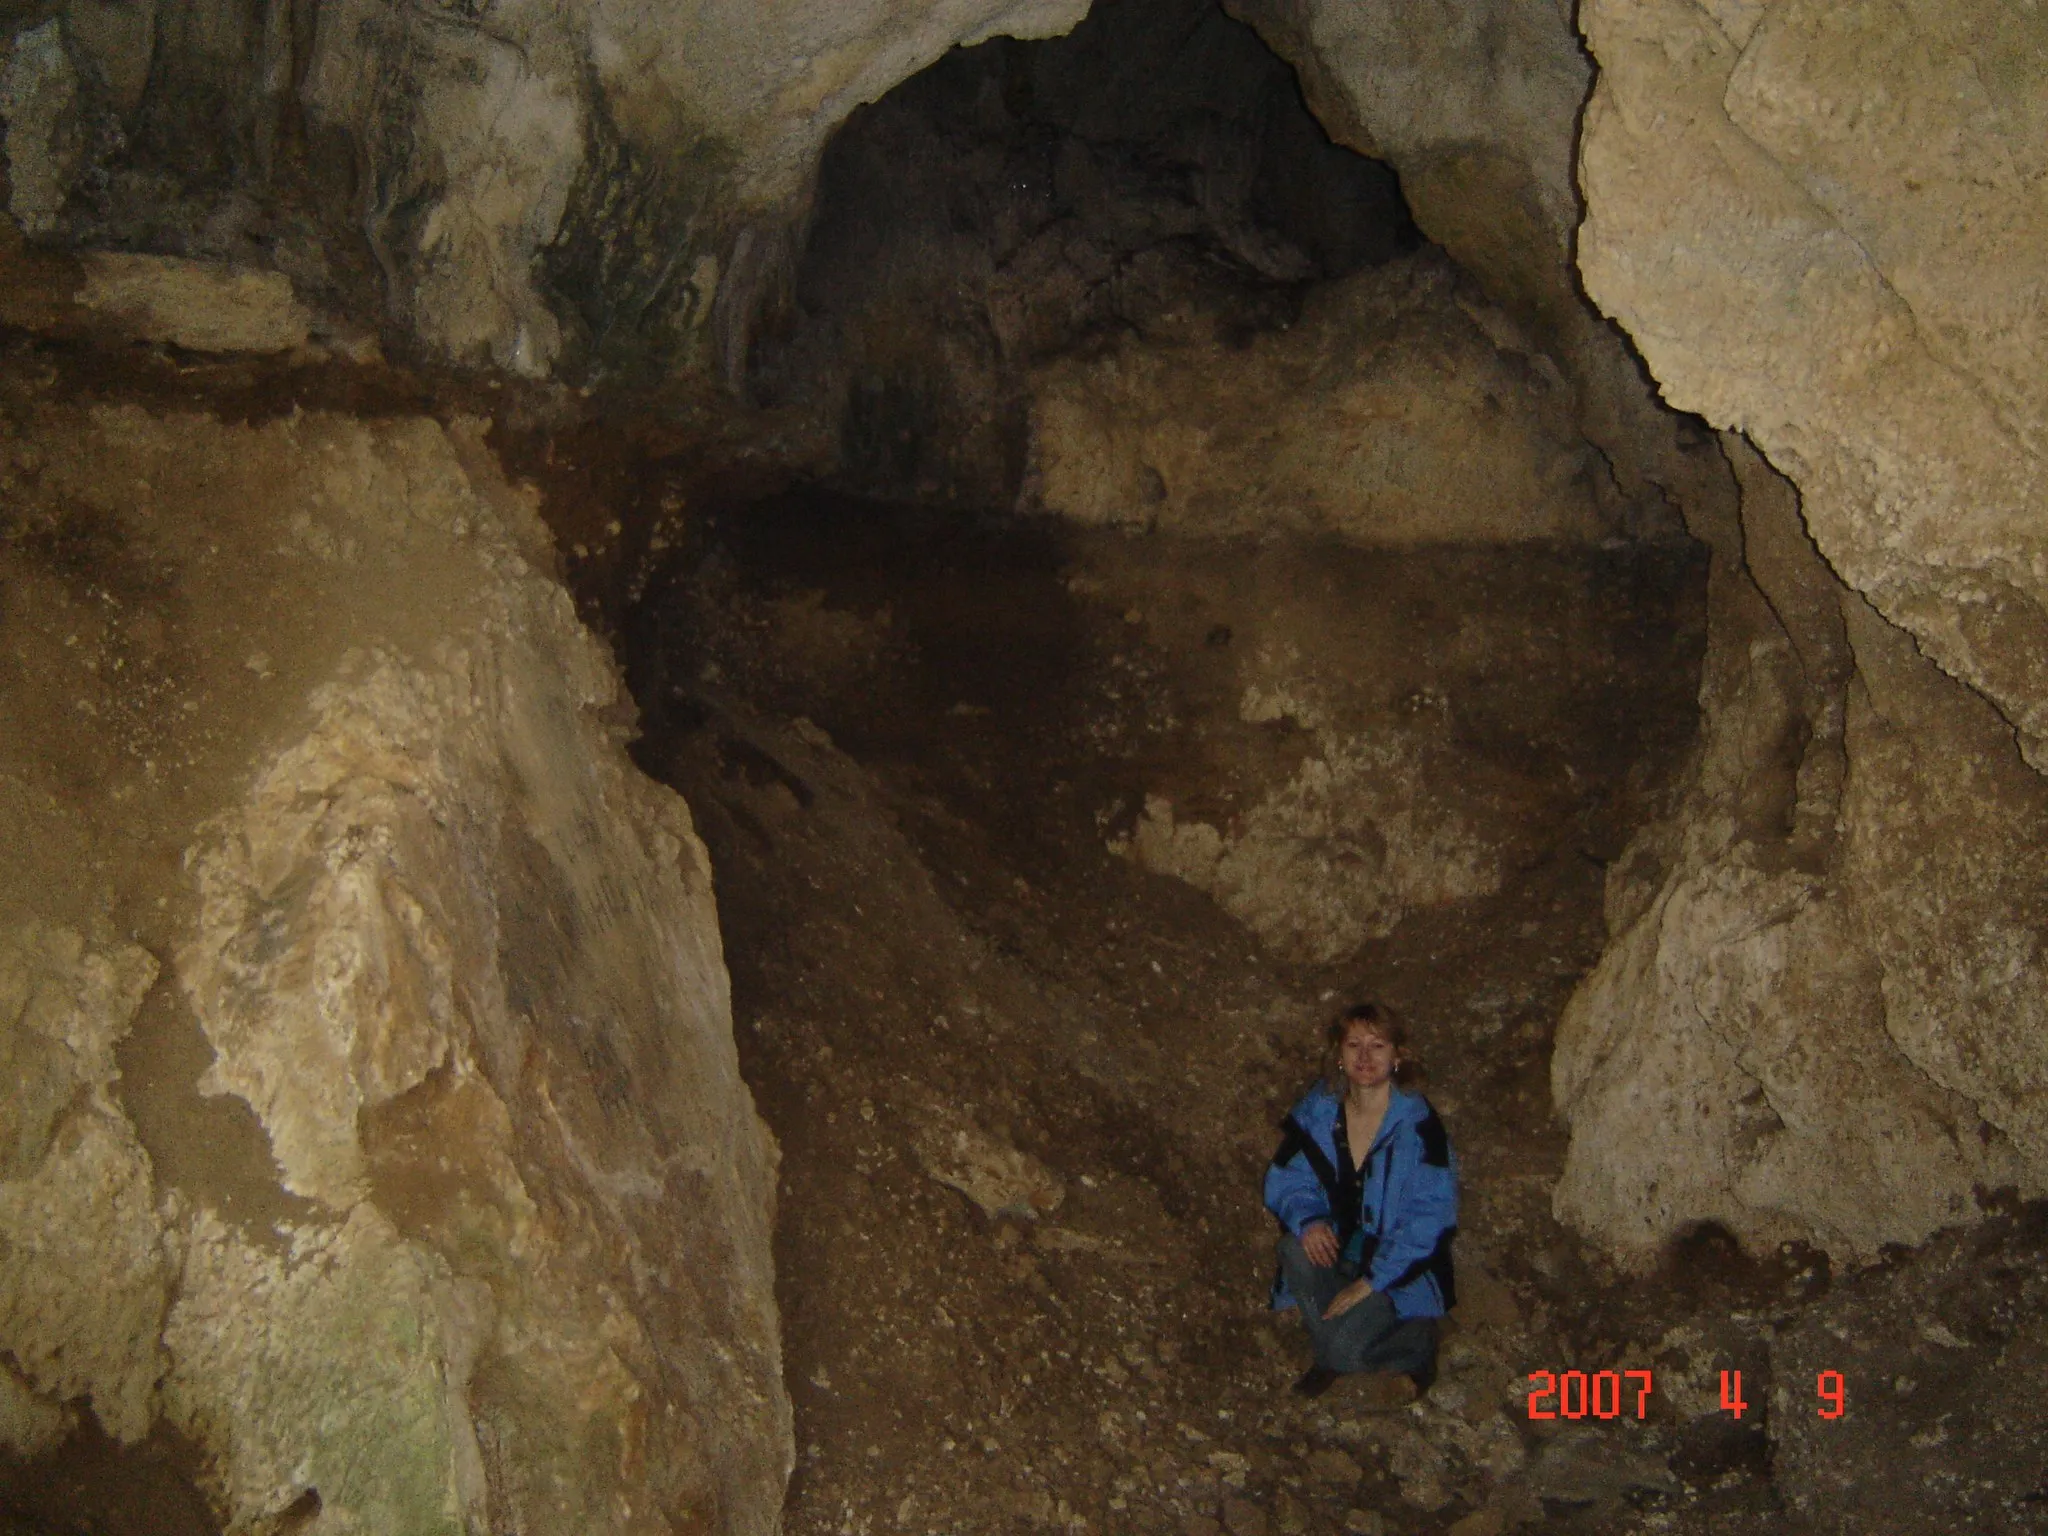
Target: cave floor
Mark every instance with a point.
(908, 741)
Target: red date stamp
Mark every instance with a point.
(1579, 1394)
(1604, 1394)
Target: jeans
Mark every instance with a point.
(1369, 1337)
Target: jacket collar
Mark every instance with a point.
(1402, 1107)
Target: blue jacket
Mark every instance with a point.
(1408, 1202)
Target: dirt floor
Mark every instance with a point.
(908, 741)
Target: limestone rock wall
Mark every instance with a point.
(86, 1276)
(1819, 1017)
(1819, 224)
(1476, 103)
(1823, 226)
(1368, 410)
(381, 1128)
(1820, 1014)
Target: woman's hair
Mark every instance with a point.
(1382, 1021)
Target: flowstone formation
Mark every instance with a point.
(378, 1126)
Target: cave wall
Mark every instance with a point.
(1150, 181)
(614, 177)
(1823, 226)
(1814, 221)
(1819, 1015)
(1476, 103)
(379, 1127)
(1369, 405)
(1820, 226)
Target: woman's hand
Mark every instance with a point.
(1347, 1298)
(1319, 1242)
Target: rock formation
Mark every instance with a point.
(1815, 1020)
(524, 176)
(1822, 1002)
(1369, 407)
(1476, 103)
(1385, 732)
(312, 780)
(1822, 225)
(1816, 239)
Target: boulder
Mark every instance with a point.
(430, 1197)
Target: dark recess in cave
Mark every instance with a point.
(94, 1486)
(1156, 171)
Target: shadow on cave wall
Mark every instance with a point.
(1155, 171)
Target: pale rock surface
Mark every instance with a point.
(1821, 1014)
(472, 135)
(1362, 751)
(1824, 226)
(38, 111)
(996, 1176)
(396, 1444)
(1365, 417)
(774, 79)
(30, 1425)
(657, 159)
(466, 1224)
(1336, 856)
(85, 1270)
(1476, 103)
(114, 298)
(669, 150)
(201, 306)
(1581, 1466)
(1818, 1017)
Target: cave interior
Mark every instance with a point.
(1117, 590)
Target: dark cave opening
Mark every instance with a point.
(1155, 172)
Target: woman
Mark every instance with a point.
(1366, 1185)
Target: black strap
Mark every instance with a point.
(1295, 1139)
(1436, 1141)
(1436, 1262)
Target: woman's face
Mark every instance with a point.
(1369, 1057)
